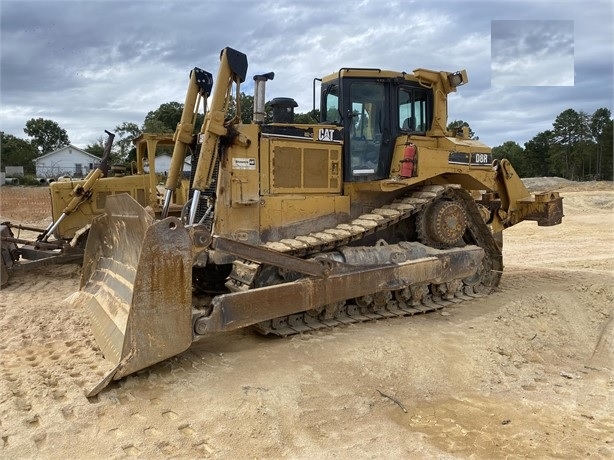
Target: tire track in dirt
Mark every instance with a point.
(509, 374)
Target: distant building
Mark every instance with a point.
(13, 171)
(67, 161)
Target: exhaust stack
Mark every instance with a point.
(259, 96)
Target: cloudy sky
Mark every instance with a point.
(91, 65)
(532, 52)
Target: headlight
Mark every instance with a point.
(456, 79)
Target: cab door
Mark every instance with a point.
(368, 137)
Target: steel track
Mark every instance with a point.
(410, 301)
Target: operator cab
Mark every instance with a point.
(374, 107)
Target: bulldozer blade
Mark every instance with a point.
(136, 287)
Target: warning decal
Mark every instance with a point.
(244, 163)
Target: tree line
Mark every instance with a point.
(47, 135)
(578, 147)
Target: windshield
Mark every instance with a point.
(413, 110)
(331, 105)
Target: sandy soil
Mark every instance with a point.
(513, 375)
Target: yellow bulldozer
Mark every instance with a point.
(374, 211)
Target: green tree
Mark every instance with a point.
(17, 152)
(607, 165)
(156, 126)
(247, 108)
(514, 153)
(97, 148)
(599, 122)
(537, 154)
(164, 119)
(456, 125)
(585, 151)
(124, 148)
(46, 135)
(569, 130)
(311, 117)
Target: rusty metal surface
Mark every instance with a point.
(37, 244)
(23, 227)
(240, 309)
(552, 214)
(545, 208)
(267, 256)
(31, 254)
(136, 286)
(9, 253)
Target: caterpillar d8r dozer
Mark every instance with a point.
(375, 211)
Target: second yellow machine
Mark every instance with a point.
(376, 211)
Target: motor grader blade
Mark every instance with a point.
(136, 287)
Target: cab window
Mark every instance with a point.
(413, 116)
(331, 106)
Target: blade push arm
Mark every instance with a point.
(199, 88)
(233, 68)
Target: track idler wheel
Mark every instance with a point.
(442, 224)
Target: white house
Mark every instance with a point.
(67, 161)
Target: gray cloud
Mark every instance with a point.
(532, 52)
(92, 65)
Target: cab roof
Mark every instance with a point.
(368, 73)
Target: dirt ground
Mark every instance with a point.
(513, 375)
